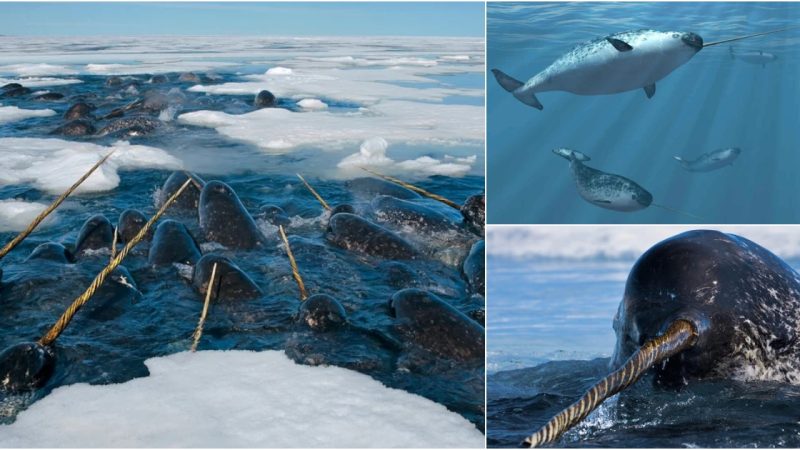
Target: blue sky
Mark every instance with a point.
(228, 18)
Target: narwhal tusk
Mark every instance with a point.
(748, 36)
(416, 189)
(680, 336)
(314, 193)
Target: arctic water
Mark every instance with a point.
(715, 101)
(408, 107)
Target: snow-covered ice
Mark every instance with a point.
(372, 153)
(15, 215)
(238, 399)
(14, 114)
(53, 165)
(35, 82)
(312, 104)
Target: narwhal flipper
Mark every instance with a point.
(650, 90)
(513, 85)
(621, 46)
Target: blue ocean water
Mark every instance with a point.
(108, 342)
(709, 103)
(550, 338)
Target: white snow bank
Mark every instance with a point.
(312, 104)
(372, 153)
(279, 71)
(13, 114)
(620, 242)
(33, 82)
(278, 130)
(53, 165)
(238, 399)
(15, 215)
(360, 86)
(156, 66)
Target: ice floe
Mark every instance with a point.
(312, 104)
(15, 215)
(37, 69)
(278, 130)
(34, 82)
(53, 165)
(239, 399)
(13, 114)
(372, 154)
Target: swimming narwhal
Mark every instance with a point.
(702, 304)
(616, 63)
(714, 160)
(760, 57)
(608, 190)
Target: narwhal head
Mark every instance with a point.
(692, 40)
(642, 196)
(692, 277)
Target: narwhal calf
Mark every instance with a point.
(612, 64)
(603, 189)
(702, 304)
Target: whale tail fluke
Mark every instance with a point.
(513, 85)
(680, 336)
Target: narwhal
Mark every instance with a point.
(702, 304)
(760, 57)
(616, 63)
(608, 190)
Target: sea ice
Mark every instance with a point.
(15, 215)
(13, 114)
(238, 399)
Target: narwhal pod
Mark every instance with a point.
(428, 322)
(230, 282)
(172, 243)
(354, 233)
(189, 199)
(474, 268)
(701, 304)
(406, 214)
(225, 220)
(96, 233)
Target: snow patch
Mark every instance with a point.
(238, 399)
(35, 82)
(312, 104)
(34, 70)
(13, 114)
(53, 165)
(372, 153)
(279, 71)
(15, 215)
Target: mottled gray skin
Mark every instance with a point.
(230, 282)
(356, 234)
(370, 187)
(9, 86)
(96, 233)
(25, 367)
(113, 81)
(15, 92)
(129, 223)
(429, 323)
(743, 300)
(608, 190)
(172, 243)
(114, 297)
(130, 127)
(474, 212)
(714, 160)
(189, 77)
(474, 268)
(225, 220)
(49, 97)
(322, 313)
(343, 208)
(264, 99)
(77, 127)
(189, 199)
(51, 251)
(154, 101)
(406, 214)
(80, 110)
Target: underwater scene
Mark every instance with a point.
(635, 112)
(323, 204)
(569, 304)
